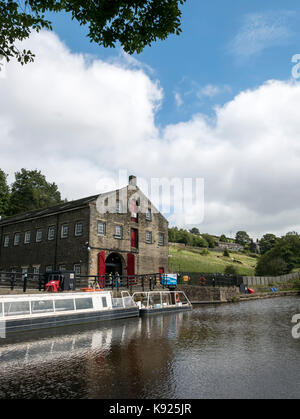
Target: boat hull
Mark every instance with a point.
(21, 325)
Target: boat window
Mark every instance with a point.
(64, 305)
(83, 303)
(154, 300)
(128, 301)
(117, 302)
(42, 306)
(104, 302)
(166, 299)
(16, 308)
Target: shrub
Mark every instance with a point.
(226, 252)
(231, 270)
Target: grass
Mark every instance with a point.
(191, 260)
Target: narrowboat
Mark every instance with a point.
(153, 302)
(20, 313)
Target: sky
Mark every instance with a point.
(220, 102)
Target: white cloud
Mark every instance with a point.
(81, 120)
(260, 31)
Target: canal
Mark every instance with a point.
(242, 350)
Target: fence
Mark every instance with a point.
(209, 280)
(18, 280)
(268, 280)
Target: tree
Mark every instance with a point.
(133, 23)
(31, 191)
(282, 258)
(4, 194)
(267, 242)
(223, 238)
(195, 231)
(210, 240)
(242, 237)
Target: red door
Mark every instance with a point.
(134, 238)
(101, 268)
(130, 264)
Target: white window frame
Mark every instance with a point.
(161, 239)
(63, 235)
(39, 237)
(118, 236)
(62, 268)
(104, 228)
(48, 268)
(119, 207)
(51, 236)
(78, 232)
(36, 272)
(149, 215)
(147, 237)
(6, 240)
(27, 237)
(17, 242)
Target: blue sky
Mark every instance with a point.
(225, 47)
(217, 103)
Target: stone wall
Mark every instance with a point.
(210, 294)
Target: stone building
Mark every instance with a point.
(119, 231)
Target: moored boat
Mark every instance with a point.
(153, 302)
(20, 313)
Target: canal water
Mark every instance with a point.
(242, 350)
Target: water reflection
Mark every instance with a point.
(241, 350)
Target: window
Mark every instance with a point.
(51, 233)
(78, 229)
(104, 302)
(64, 231)
(148, 237)
(39, 235)
(17, 308)
(42, 306)
(6, 241)
(27, 237)
(36, 272)
(64, 305)
(134, 215)
(101, 228)
(83, 303)
(161, 239)
(134, 238)
(118, 232)
(62, 268)
(119, 207)
(49, 268)
(77, 269)
(148, 215)
(17, 237)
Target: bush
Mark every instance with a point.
(226, 253)
(204, 252)
(231, 270)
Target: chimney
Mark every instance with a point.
(132, 181)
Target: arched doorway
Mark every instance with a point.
(114, 264)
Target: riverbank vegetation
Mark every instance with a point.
(195, 260)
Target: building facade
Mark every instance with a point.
(120, 231)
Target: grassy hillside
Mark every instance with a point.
(191, 260)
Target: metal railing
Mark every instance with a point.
(209, 280)
(24, 281)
